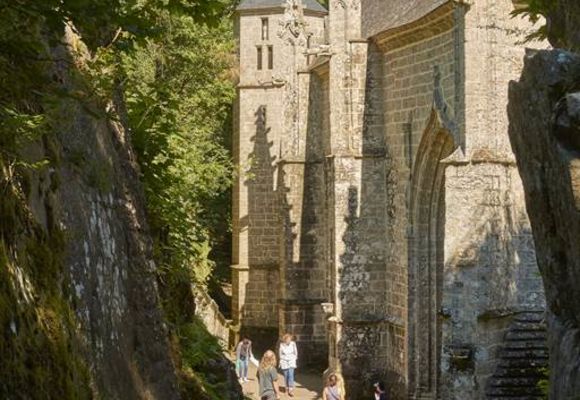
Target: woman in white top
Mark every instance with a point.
(288, 358)
(334, 389)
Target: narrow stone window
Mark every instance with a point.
(265, 29)
(270, 57)
(259, 60)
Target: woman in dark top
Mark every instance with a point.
(268, 377)
(243, 356)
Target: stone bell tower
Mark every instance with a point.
(273, 38)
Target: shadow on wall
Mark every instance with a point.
(259, 312)
(493, 305)
(364, 347)
(460, 309)
(303, 268)
(426, 244)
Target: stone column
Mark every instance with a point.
(357, 210)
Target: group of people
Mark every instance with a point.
(267, 374)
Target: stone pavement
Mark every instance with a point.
(308, 385)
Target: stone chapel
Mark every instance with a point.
(378, 213)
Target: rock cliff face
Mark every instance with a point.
(104, 309)
(80, 315)
(100, 206)
(544, 113)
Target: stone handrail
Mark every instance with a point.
(208, 311)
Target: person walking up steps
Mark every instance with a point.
(268, 377)
(243, 356)
(288, 359)
(334, 389)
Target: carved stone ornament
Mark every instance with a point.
(353, 4)
(292, 23)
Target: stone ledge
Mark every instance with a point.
(391, 320)
(277, 10)
(265, 85)
(358, 40)
(298, 161)
(302, 302)
(240, 267)
(357, 155)
(505, 312)
(481, 156)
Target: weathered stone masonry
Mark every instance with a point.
(379, 214)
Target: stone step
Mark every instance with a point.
(514, 391)
(526, 353)
(518, 335)
(528, 326)
(531, 317)
(503, 372)
(523, 363)
(526, 380)
(528, 345)
(522, 359)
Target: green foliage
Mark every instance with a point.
(535, 10)
(198, 348)
(179, 98)
(544, 383)
(178, 93)
(171, 61)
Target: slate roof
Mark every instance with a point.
(257, 4)
(395, 13)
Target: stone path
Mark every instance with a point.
(307, 385)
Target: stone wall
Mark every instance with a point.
(441, 99)
(398, 189)
(257, 224)
(490, 268)
(412, 73)
(304, 257)
(356, 196)
(490, 271)
(208, 311)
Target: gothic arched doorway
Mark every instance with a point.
(426, 241)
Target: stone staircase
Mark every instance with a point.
(521, 360)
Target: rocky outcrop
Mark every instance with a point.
(80, 315)
(562, 26)
(544, 113)
(80, 309)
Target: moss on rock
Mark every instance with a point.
(39, 345)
